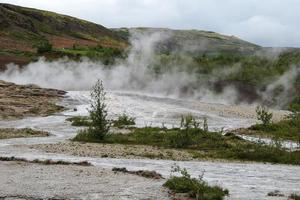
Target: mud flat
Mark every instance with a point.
(35, 181)
(17, 101)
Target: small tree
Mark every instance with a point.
(205, 125)
(98, 114)
(264, 115)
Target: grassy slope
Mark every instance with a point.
(193, 41)
(23, 29)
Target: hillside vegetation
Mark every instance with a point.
(193, 42)
(24, 30)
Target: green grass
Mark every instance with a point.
(295, 104)
(104, 54)
(201, 144)
(288, 129)
(79, 121)
(24, 54)
(123, 121)
(195, 188)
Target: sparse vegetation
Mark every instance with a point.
(287, 129)
(44, 47)
(295, 104)
(275, 193)
(264, 115)
(106, 55)
(200, 143)
(123, 120)
(79, 121)
(294, 197)
(196, 188)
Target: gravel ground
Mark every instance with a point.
(113, 151)
(29, 181)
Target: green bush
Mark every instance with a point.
(44, 47)
(295, 104)
(196, 188)
(264, 115)
(294, 197)
(124, 120)
(79, 121)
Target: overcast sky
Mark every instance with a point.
(264, 22)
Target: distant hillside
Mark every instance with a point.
(26, 26)
(23, 29)
(194, 41)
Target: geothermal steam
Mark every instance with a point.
(133, 74)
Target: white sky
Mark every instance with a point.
(264, 22)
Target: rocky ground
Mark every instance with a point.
(21, 180)
(17, 101)
(7, 133)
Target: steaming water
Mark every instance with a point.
(245, 181)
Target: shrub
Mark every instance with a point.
(189, 129)
(295, 105)
(124, 120)
(294, 197)
(264, 115)
(44, 47)
(188, 122)
(205, 125)
(79, 121)
(196, 188)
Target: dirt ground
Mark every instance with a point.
(114, 151)
(29, 181)
(17, 101)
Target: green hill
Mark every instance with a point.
(193, 41)
(22, 30)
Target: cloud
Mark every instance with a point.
(267, 22)
(266, 31)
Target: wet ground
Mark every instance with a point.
(244, 180)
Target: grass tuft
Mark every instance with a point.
(196, 188)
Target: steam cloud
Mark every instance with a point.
(133, 74)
